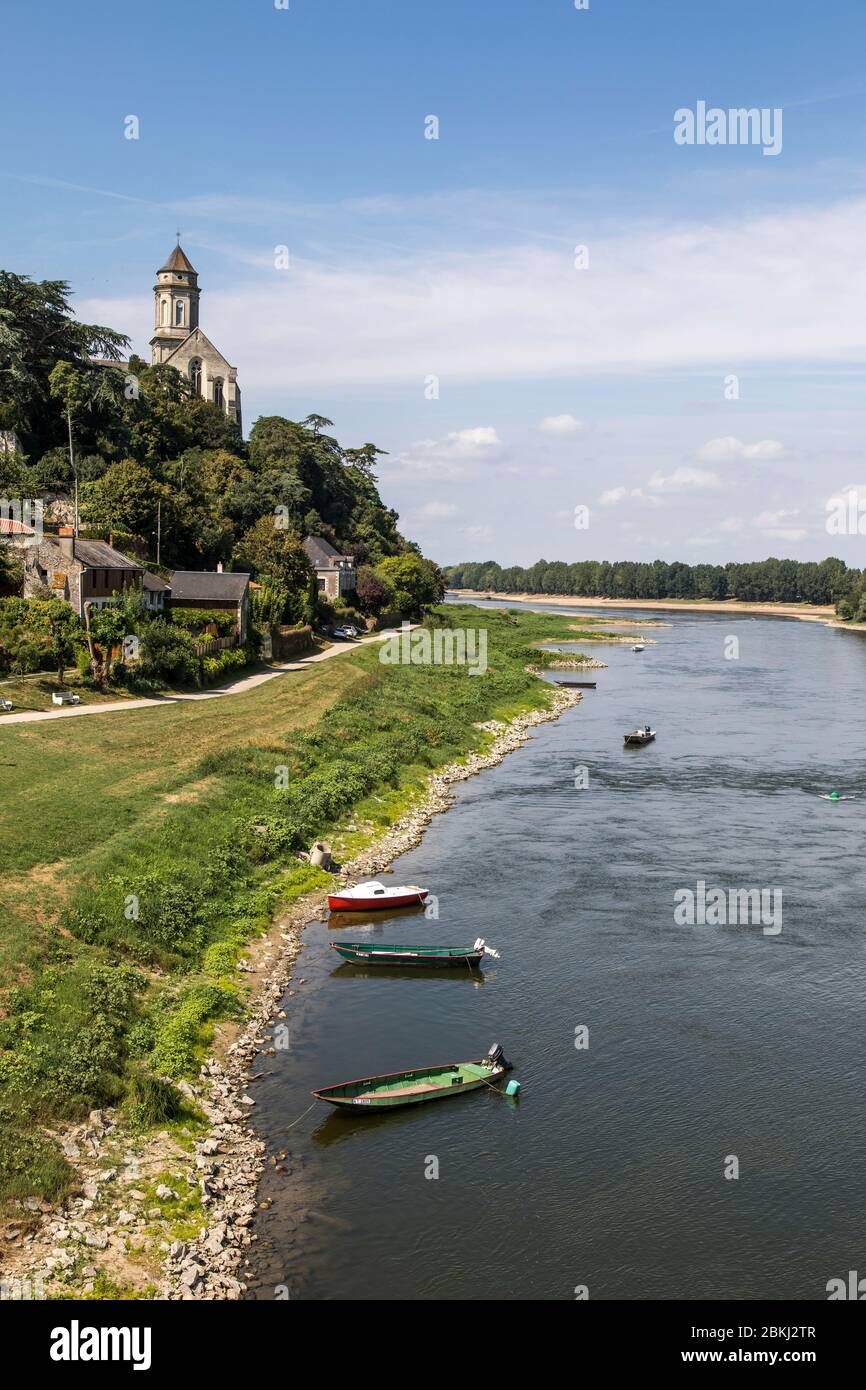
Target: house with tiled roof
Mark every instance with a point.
(17, 533)
(83, 571)
(214, 590)
(335, 573)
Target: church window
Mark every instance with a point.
(218, 391)
(195, 375)
(163, 311)
(178, 312)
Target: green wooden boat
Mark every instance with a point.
(372, 953)
(422, 1083)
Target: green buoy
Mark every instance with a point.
(513, 1088)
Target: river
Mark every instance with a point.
(706, 1044)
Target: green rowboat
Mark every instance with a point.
(370, 953)
(423, 1083)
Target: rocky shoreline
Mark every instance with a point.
(220, 1173)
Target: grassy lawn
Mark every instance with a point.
(76, 790)
(143, 849)
(34, 692)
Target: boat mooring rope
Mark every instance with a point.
(300, 1117)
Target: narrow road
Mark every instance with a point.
(217, 693)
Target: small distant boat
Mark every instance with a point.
(639, 647)
(372, 953)
(366, 897)
(397, 1088)
(639, 737)
(581, 685)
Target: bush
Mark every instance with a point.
(152, 1100)
(186, 1028)
(30, 1163)
(65, 1038)
(166, 652)
(195, 620)
(215, 667)
(154, 917)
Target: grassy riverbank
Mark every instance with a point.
(142, 851)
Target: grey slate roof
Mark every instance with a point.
(320, 553)
(99, 556)
(197, 586)
(155, 583)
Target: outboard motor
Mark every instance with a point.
(496, 1058)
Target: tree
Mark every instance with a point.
(276, 553)
(420, 579)
(11, 570)
(269, 602)
(364, 459)
(65, 631)
(374, 592)
(167, 651)
(37, 330)
(125, 498)
(105, 629)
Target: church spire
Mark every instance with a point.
(175, 304)
(178, 260)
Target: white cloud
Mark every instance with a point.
(751, 288)
(765, 519)
(683, 479)
(612, 496)
(729, 448)
(437, 511)
(560, 424)
(449, 456)
(773, 524)
(787, 533)
(477, 533)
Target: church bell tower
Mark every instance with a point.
(175, 305)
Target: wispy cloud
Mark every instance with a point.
(779, 288)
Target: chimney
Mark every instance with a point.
(66, 540)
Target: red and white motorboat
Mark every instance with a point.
(366, 897)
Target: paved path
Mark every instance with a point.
(219, 692)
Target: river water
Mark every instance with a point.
(706, 1043)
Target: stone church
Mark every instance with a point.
(178, 340)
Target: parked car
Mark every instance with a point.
(65, 697)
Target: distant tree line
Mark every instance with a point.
(760, 581)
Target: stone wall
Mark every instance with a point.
(61, 573)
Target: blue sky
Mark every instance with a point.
(454, 258)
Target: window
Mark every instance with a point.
(163, 311)
(195, 375)
(218, 391)
(178, 312)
